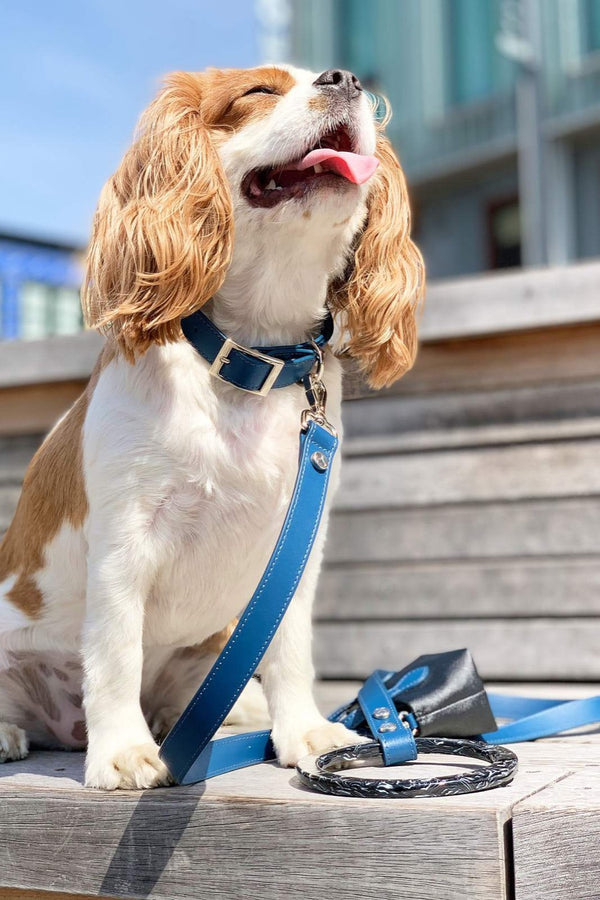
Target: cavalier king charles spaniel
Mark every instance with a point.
(265, 196)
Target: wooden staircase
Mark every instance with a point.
(469, 515)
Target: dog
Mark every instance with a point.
(151, 509)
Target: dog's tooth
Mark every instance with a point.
(318, 168)
(271, 185)
(278, 187)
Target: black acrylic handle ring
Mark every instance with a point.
(322, 773)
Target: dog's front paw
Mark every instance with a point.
(317, 737)
(130, 768)
(13, 742)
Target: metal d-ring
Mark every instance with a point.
(322, 773)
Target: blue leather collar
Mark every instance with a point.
(254, 369)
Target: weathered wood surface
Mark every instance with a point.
(17, 894)
(527, 649)
(252, 834)
(495, 435)
(562, 469)
(556, 355)
(513, 588)
(258, 833)
(473, 408)
(33, 409)
(493, 530)
(530, 298)
(64, 358)
(556, 835)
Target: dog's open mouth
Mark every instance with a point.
(328, 163)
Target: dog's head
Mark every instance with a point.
(266, 153)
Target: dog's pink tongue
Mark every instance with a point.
(353, 166)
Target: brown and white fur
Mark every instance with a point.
(150, 511)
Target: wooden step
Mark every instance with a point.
(259, 833)
(504, 649)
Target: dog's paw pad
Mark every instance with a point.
(132, 768)
(13, 742)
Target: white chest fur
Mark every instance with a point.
(195, 477)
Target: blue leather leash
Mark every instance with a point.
(187, 750)
(430, 706)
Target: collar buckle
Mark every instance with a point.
(222, 359)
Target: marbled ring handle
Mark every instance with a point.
(322, 773)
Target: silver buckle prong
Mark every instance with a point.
(222, 359)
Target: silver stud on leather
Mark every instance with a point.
(386, 727)
(382, 712)
(319, 461)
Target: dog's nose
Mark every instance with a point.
(339, 80)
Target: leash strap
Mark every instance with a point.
(188, 751)
(538, 718)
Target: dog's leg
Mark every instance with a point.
(121, 750)
(165, 696)
(287, 677)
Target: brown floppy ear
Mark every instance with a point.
(162, 235)
(381, 293)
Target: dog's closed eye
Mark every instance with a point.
(259, 89)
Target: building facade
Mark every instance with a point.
(39, 288)
(496, 118)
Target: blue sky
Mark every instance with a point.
(74, 76)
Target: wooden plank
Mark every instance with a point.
(424, 413)
(512, 301)
(66, 358)
(556, 835)
(544, 356)
(15, 455)
(565, 469)
(493, 530)
(490, 531)
(32, 409)
(495, 435)
(17, 894)
(513, 587)
(9, 497)
(251, 833)
(507, 649)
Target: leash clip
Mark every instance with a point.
(316, 394)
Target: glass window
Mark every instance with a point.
(470, 29)
(47, 310)
(504, 233)
(356, 37)
(590, 22)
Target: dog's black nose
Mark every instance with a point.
(339, 80)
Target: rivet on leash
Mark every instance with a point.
(319, 461)
(388, 726)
